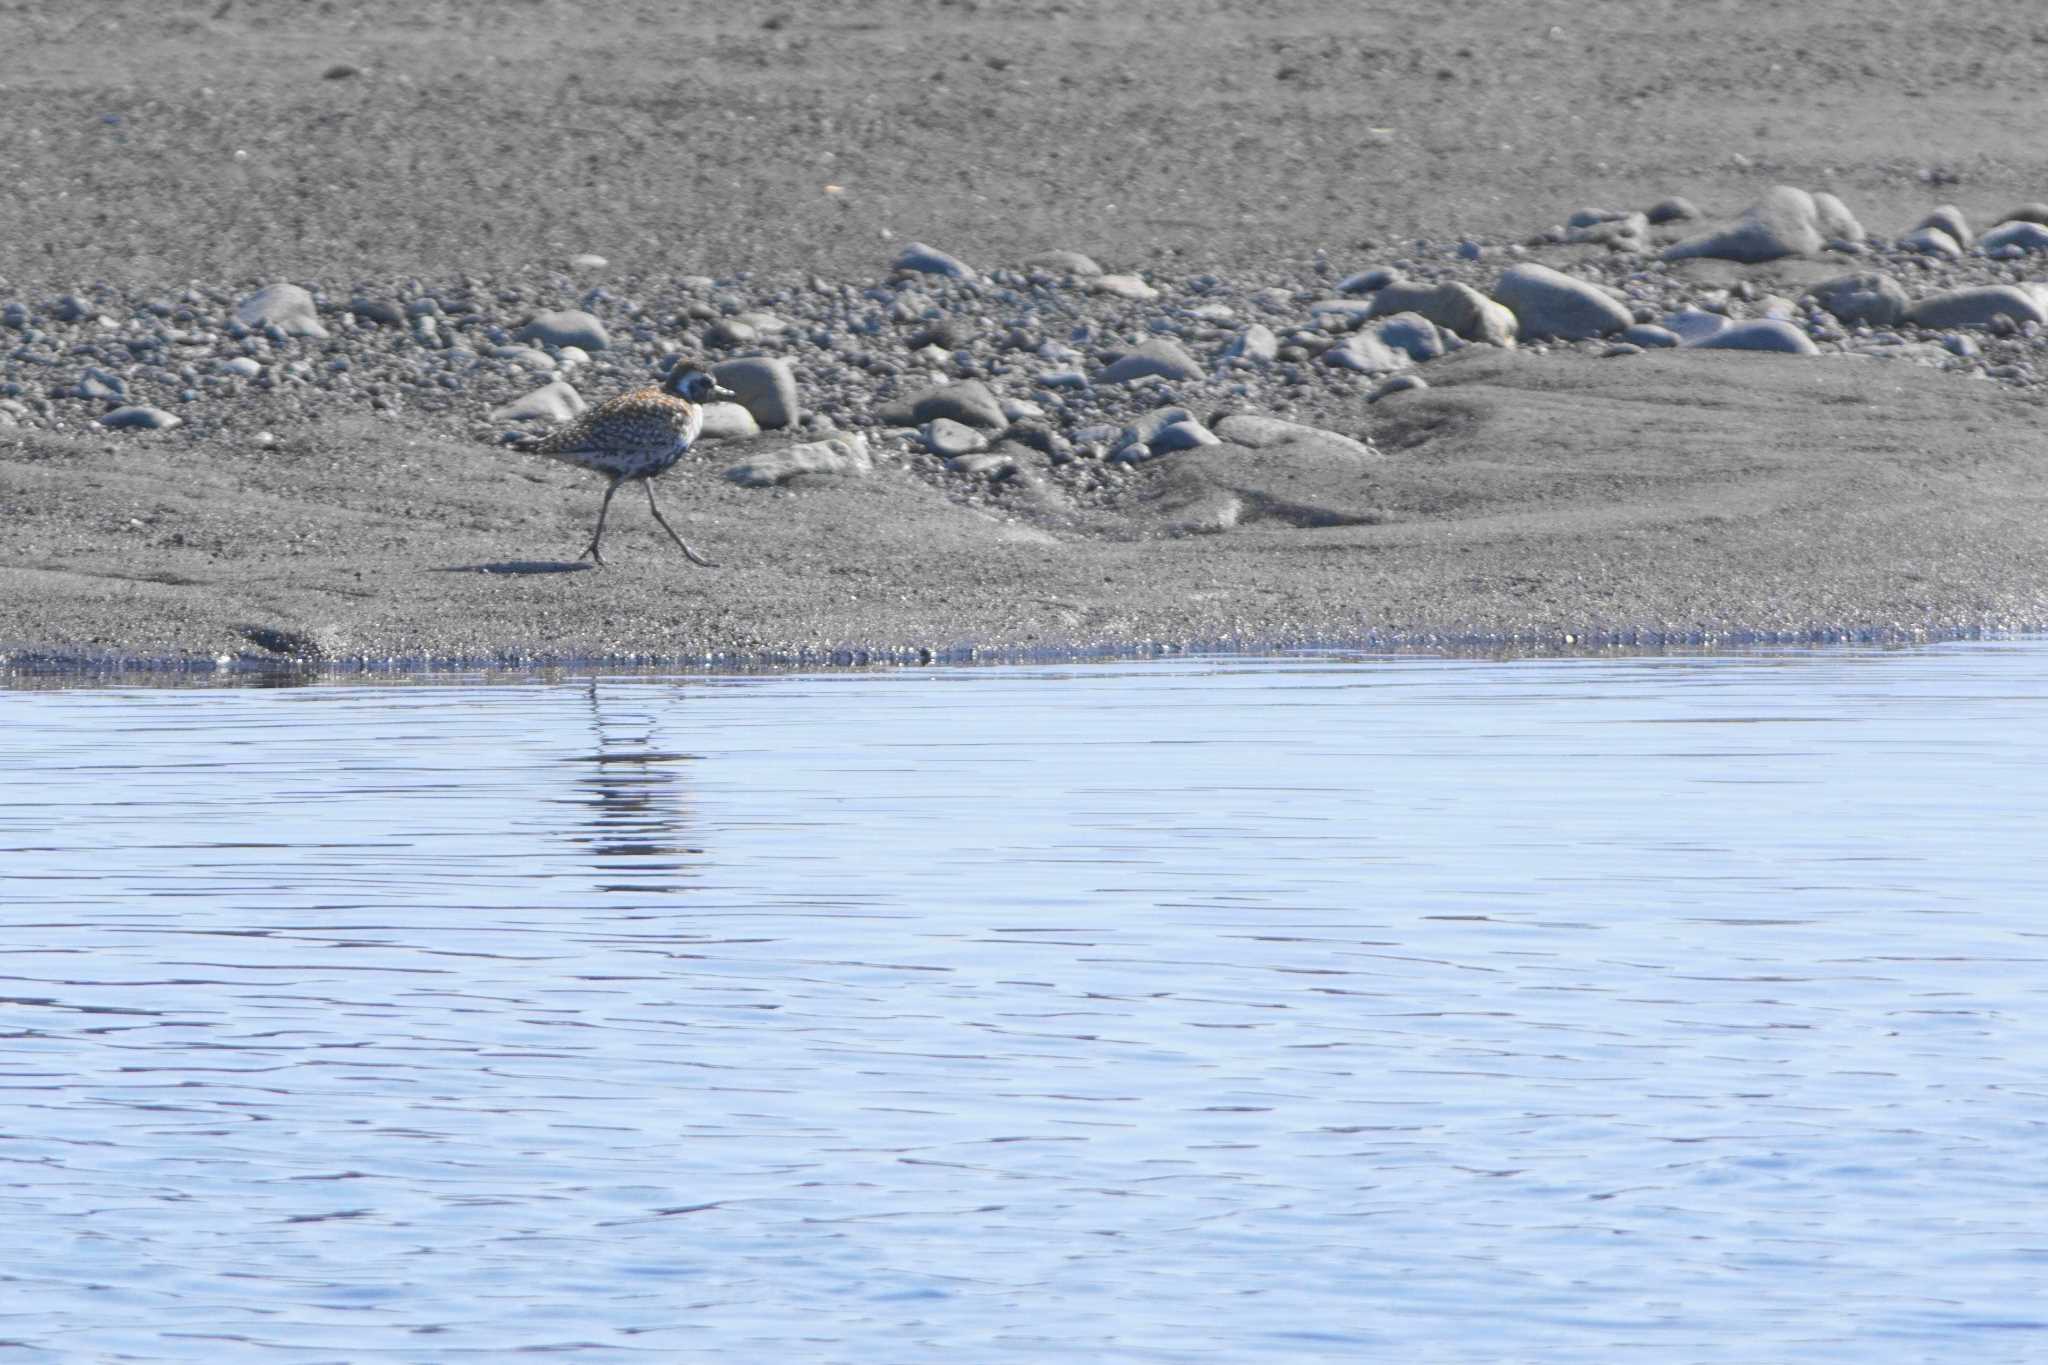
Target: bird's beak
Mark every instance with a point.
(720, 391)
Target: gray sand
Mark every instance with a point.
(1548, 499)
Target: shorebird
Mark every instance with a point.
(636, 435)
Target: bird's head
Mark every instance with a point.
(697, 386)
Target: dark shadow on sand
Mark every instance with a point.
(520, 566)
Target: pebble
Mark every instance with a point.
(1182, 435)
(1124, 287)
(1412, 333)
(15, 315)
(1866, 297)
(1459, 308)
(381, 311)
(1135, 441)
(968, 402)
(588, 260)
(556, 402)
(286, 307)
(1692, 325)
(152, 419)
(1785, 222)
(1158, 357)
(731, 334)
(764, 385)
(1835, 221)
(1549, 303)
(845, 456)
(566, 327)
(949, 439)
(1976, 307)
(925, 260)
(1758, 334)
(2016, 232)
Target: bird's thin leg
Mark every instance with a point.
(598, 534)
(694, 557)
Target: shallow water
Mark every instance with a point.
(1588, 1009)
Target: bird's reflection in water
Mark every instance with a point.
(639, 813)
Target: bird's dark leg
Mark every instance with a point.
(694, 557)
(598, 534)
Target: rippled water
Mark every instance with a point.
(1649, 1008)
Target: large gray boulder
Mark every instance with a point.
(1550, 303)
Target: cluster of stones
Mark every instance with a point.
(1052, 368)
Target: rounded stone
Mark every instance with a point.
(1255, 342)
(949, 439)
(1400, 383)
(1672, 210)
(1976, 307)
(1867, 296)
(1063, 263)
(969, 402)
(1650, 336)
(145, 418)
(764, 385)
(1758, 334)
(1785, 222)
(556, 402)
(1158, 357)
(2022, 233)
(286, 307)
(1931, 241)
(565, 327)
(926, 260)
(1124, 287)
(1949, 220)
(1550, 303)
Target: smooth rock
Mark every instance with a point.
(1366, 281)
(1834, 220)
(1134, 442)
(764, 385)
(992, 464)
(588, 260)
(1063, 263)
(1672, 210)
(148, 418)
(1366, 353)
(2028, 213)
(1868, 296)
(1649, 335)
(949, 439)
(1255, 342)
(2017, 232)
(969, 402)
(1158, 357)
(1549, 303)
(566, 327)
(926, 260)
(1412, 333)
(1949, 221)
(1758, 334)
(1123, 287)
(1931, 241)
(846, 456)
(245, 366)
(383, 312)
(1785, 222)
(1977, 307)
(1259, 432)
(730, 334)
(1400, 383)
(1453, 306)
(1184, 435)
(1340, 315)
(728, 422)
(286, 307)
(556, 402)
(1694, 324)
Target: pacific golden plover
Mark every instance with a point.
(636, 435)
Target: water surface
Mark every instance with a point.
(1587, 1009)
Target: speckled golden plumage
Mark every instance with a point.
(636, 435)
